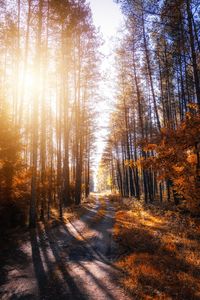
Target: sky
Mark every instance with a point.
(107, 17)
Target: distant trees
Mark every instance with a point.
(105, 175)
(157, 101)
(49, 66)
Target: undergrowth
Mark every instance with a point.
(161, 252)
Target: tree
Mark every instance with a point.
(49, 59)
(158, 87)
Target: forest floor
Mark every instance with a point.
(73, 259)
(109, 249)
(161, 251)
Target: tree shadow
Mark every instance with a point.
(68, 251)
(103, 243)
(108, 293)
(11, 255)
(53, 280)
(79, 253)
(55, 250)
(38, 263)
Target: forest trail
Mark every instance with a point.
(68, 261)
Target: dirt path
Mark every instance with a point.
(69, 261)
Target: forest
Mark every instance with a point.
(127, 225)
(154, 142)
(48, 78)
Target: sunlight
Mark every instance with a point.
(28, 82)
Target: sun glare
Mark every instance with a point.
(28, 82)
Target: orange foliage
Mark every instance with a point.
(176, 159)
(14, 178)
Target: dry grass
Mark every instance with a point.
(162, 253)
(73, 212)
(116, 198)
